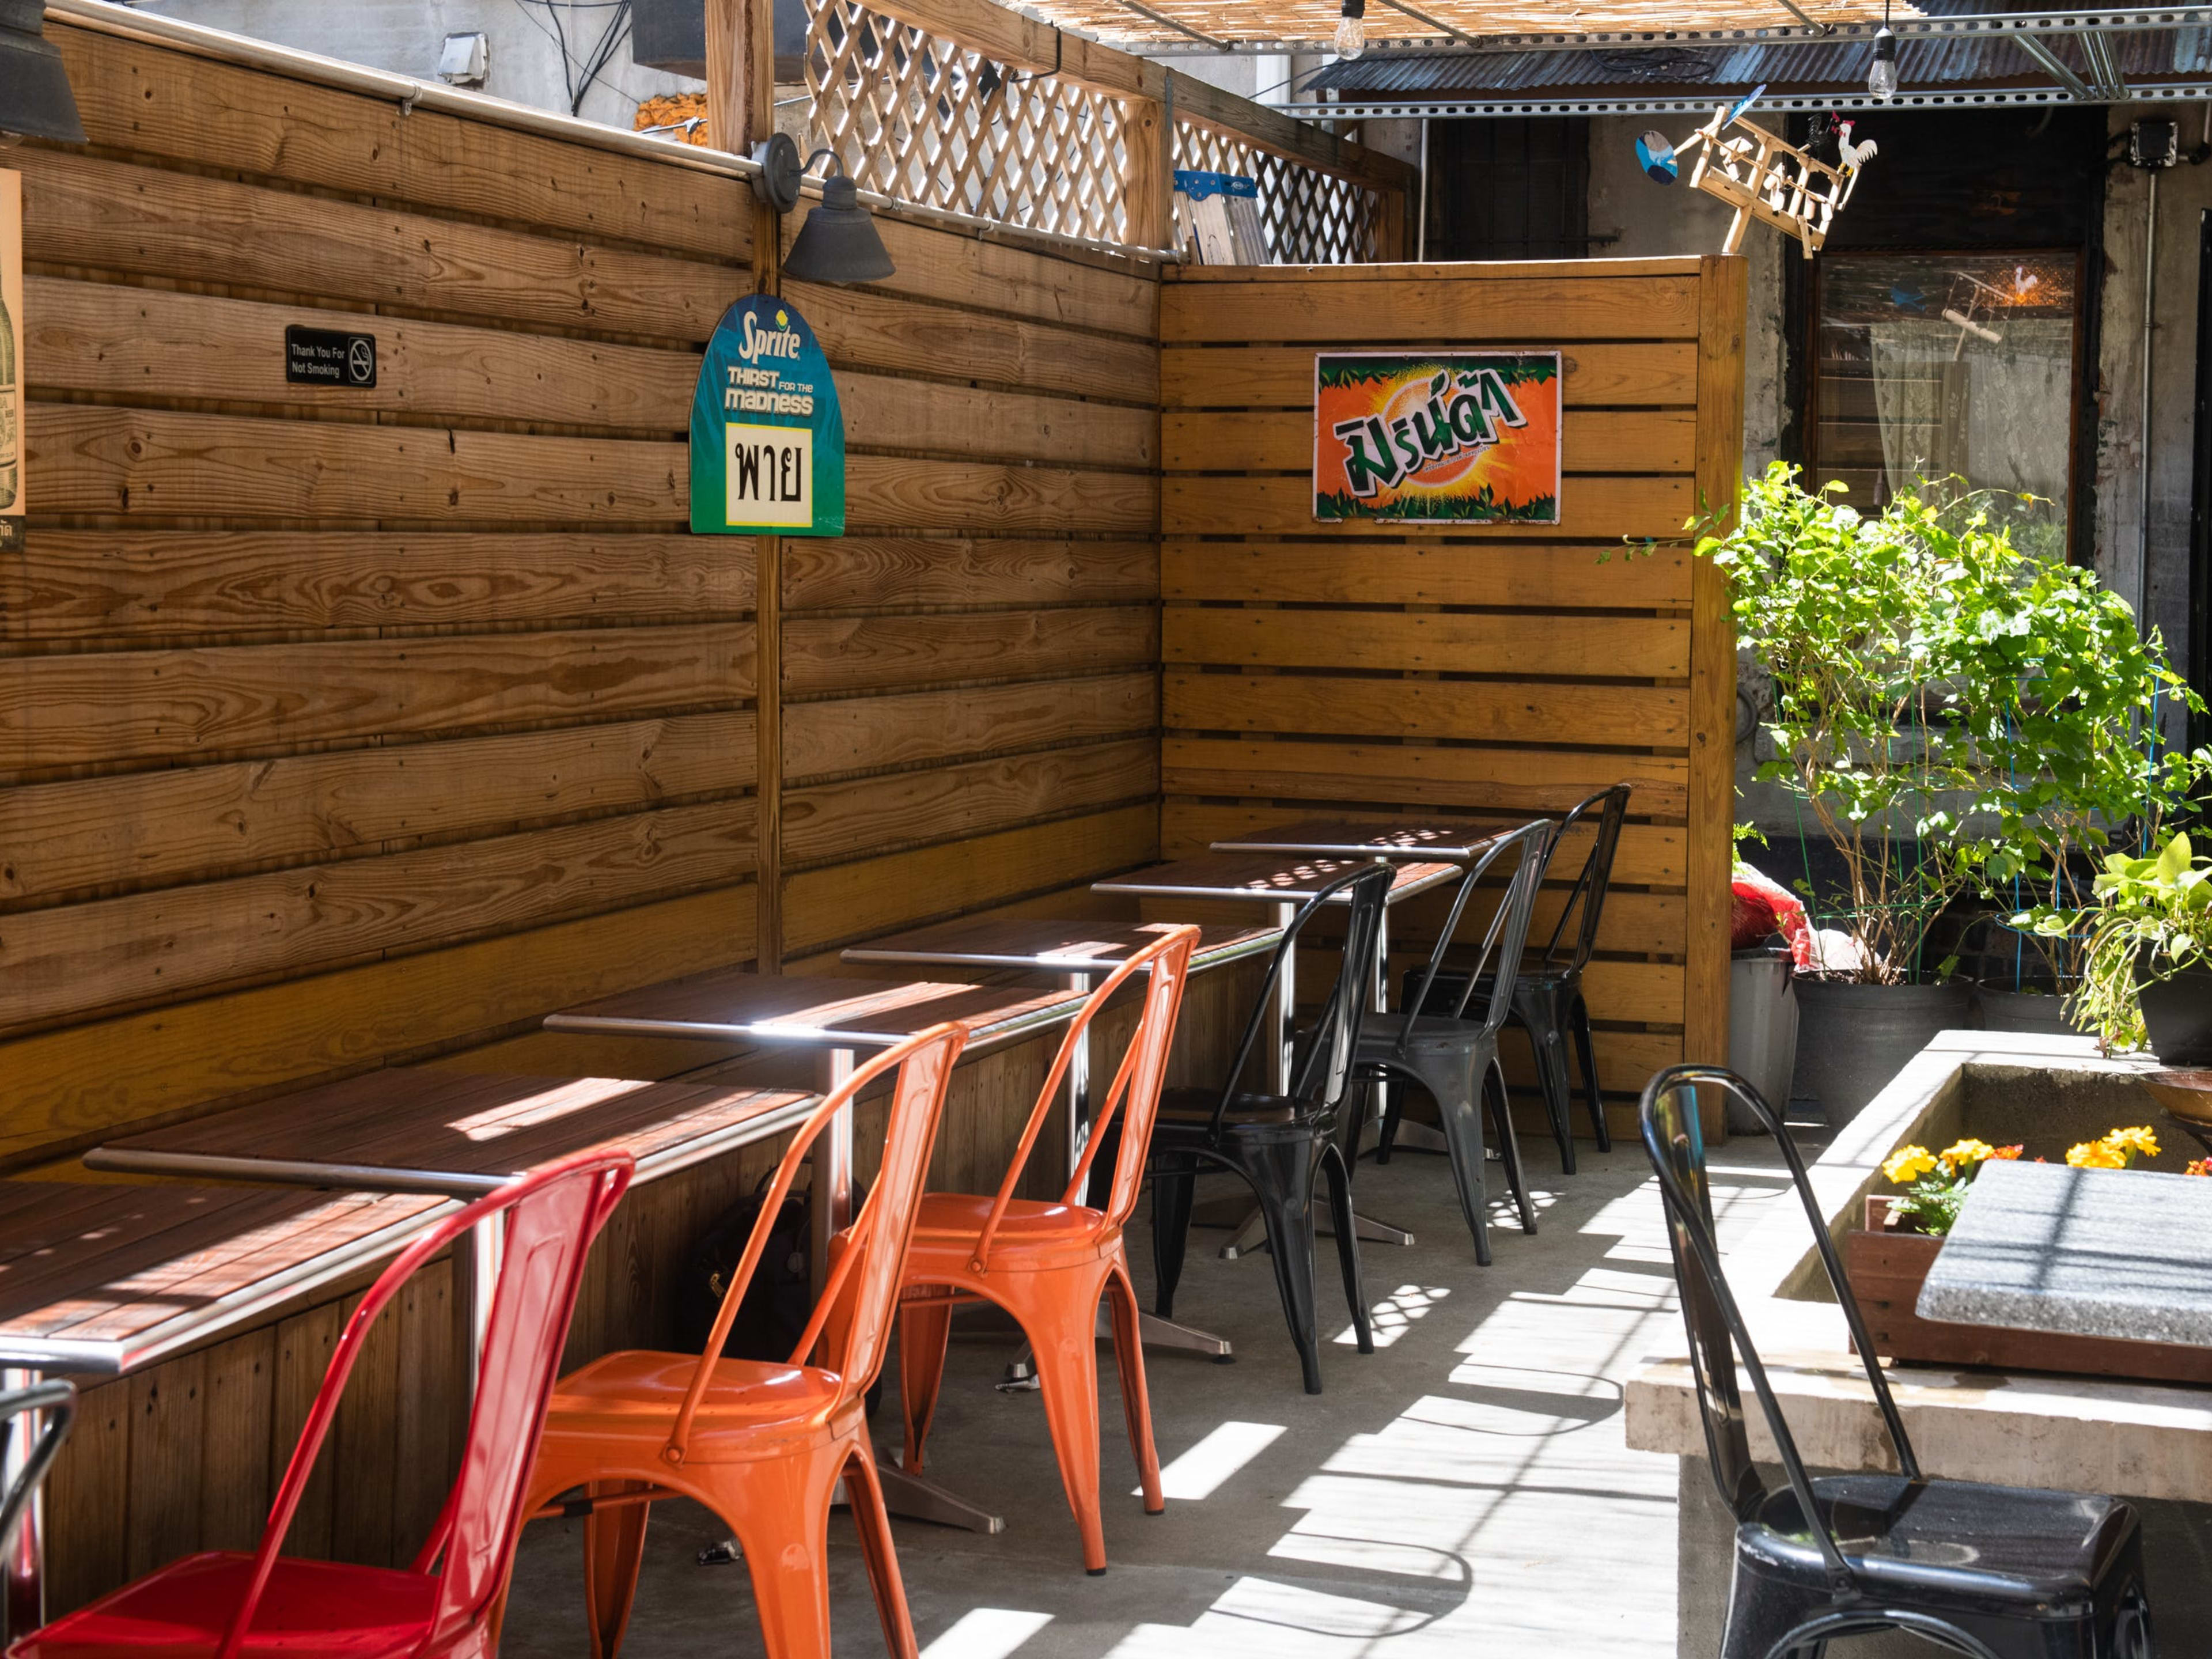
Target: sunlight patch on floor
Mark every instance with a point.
(1307, 1542)
(1393, 1315)
(986, 1633)
(1207, 1465)
(1500, 1510)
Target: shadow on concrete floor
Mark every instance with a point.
(1466, 1488)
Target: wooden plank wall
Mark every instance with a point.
(346, 729)
(1478, 672)
(970, 674)
(342, 725)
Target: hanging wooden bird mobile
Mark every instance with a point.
(1761, 176)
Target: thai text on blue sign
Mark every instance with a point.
(768, 439)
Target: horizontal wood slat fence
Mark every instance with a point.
(340, 729)
(345, 730)
(1474, 673)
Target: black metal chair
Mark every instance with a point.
(1277, 1143)
(1547, 994)
(58, 1398)
(1453, 1057)
(2000, 1572)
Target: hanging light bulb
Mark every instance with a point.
(1351, 29)
(1882, 79)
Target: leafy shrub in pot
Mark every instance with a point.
(1948, 711)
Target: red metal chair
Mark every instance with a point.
(224, 1603)
(1047, 1264)
(762, 1445)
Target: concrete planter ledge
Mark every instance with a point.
(2147, 1442)
(2075, 1433)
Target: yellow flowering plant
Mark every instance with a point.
(1936, 1183)
(2118, 1149)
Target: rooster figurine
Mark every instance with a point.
(1851, 155)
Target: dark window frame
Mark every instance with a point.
(1454, 167)
(1804, 391)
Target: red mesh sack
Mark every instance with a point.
(1763, 906)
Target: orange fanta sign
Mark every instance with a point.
(1437, 437)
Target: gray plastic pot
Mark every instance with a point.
(1852, 1039)
(1762, 1032)
(2178, 1015)
(2036, 1013)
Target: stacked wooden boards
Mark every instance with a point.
(1482, 671)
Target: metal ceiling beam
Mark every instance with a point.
(1447, 109)
(1203, 42)
(2023, 27)
(2060, 70)
(1435, 23)
(2104, 67)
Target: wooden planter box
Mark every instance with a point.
(1886, 1267)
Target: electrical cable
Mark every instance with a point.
(580, 75)
(617, 31)
(568, 62)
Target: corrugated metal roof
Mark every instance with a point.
(2156, 54)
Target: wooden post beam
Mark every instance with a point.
(740, 73)
(740, 112)
(1150, 190)
(1723, 287)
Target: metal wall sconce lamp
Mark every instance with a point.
(838, 243)
(35, 99)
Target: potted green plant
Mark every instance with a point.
(2148, 975)
(1950, 713)
(2071, 693)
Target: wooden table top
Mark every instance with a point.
(1038, 944)
(1346, 838)
(1268, 876)
(817, 1011)
(105, 1278)
(456, 1134)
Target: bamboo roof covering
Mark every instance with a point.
(1140, 23)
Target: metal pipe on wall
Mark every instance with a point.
(1421, 228)
(2142, 495)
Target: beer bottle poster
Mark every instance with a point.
(1437, 437)
(767, 440)
(11, 360)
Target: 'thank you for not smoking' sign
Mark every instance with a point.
(767, 440)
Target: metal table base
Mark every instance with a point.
(23, 1598)
(904, 1494)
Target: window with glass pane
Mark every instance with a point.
(1936, 366)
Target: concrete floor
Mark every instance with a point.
(1467, 1484)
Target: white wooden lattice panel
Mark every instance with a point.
(1311, 218)
(926, 120)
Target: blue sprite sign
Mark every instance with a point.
(767, 440)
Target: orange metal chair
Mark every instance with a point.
(1047, 1264)
(763, 1444)
(225, 1603)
